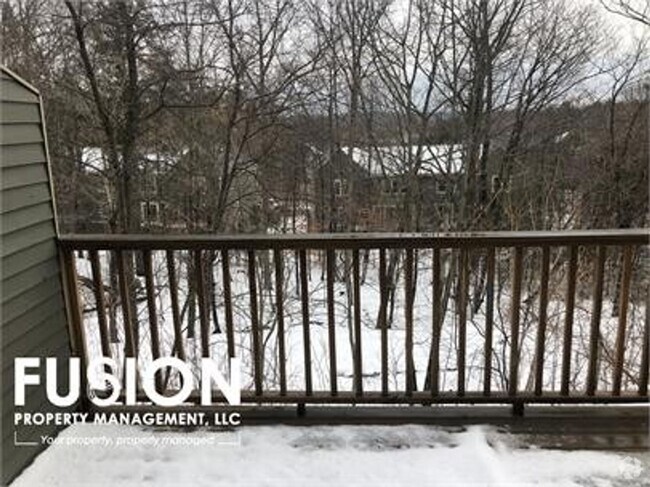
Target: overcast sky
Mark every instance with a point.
(626, 28)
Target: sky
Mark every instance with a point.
(628, 29)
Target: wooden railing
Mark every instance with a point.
(503, 341)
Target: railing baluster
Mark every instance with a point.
(125, 297)
(227, 300)
(408, 305)
(596, 311)
(645, 353)
(463, 289)
(541, 327)
(203, 308)
(279, 310)
(255, 325)
(434, 366)
(358, 359)
(304, 297)
(489, 321)
(383, 322)
(568, 322)
(514, 321)
(98, 289)
(74, 314)
(331, 319)
(622, 319)
(176, 317)
(153, 314)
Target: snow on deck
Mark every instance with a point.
(88, 454)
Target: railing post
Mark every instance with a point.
(383, 322)
(173, 294)
(279, 311)
(597, 306)
(437, 320)
(204, 318)
(623, 301)
(463, 289)
(227, 301)
(645, 352)
(98, 290)
(358, 358)
(568, 321)
(304, 299)
(331, 318)
(408, 298)
(514, 321)
(489, 320)
(73, 313)
(153, 312)
(541, 327)
(255, 325)
(130, 345)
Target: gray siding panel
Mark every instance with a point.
(33, 315)
(15, 241)
(28, 279)
(26, 217)
(28, 257)
(20, 113)
(19, 176)
(25, 302)
(15, 199)
(44, 341)
(22, 154)
(36, 399)
(11, 91)
(20, 134)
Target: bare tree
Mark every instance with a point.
(637, 10)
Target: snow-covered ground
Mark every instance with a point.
(90, 454)
(332, 455)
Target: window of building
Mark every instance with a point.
(340, 187)
(393, 186)
(150, 212)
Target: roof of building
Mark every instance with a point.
(95, 160)
(445, 159)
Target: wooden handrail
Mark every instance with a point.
(639, 236)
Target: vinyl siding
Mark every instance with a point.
(19, 176)
(21, 155)
(18, 198)
(29, 234)
(27, 257)
(33, 314)
(16, 458)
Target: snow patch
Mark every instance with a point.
(325, 455)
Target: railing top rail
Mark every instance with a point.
(355, 240)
